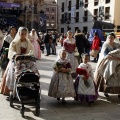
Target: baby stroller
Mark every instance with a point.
(26, 87)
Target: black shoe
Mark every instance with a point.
(58, 99)
(63, 101)
(106, 94)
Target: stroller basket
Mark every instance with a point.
(28, 77)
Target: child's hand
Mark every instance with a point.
(62, 69)
(84, 78)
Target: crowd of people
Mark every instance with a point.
(72, 73)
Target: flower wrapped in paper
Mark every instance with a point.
(82, 71)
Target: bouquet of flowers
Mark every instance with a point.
(59, 65)
(82, 71)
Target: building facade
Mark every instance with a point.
(49, 7)
(30, 12)
(74, 14)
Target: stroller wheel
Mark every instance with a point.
(11, 99)
(22, 111)
(37, 111)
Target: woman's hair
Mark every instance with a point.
(78, 30)
(95, 33)
(85, 55)
(17, 37)
(112, 34)
(59, 53)
(10, 28)
(69, 31)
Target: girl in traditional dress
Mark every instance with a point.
(70, 47)
(61, 85)
(20, 45)
(36, 46)
(84, 84)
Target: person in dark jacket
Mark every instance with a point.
(54, 38)
(81, 43)
(46, 40)
(8, 38)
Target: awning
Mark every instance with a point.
(103, 26)
(8, 5)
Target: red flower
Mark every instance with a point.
(82, 71)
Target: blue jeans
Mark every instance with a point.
(47, 45)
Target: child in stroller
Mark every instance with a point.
(26, 83)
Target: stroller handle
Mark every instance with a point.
(24, 57)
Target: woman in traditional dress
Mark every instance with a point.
(61, 85)
(20, 45)
(36, 46)
(70, 46)
(8, 38)
(107, 71)
(84, 84)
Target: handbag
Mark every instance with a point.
(76, 54)
(94, 53)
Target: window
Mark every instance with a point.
(118, 28)
(81, 3)
(77, 4)
(85, 29)
(48, 17)
(53, 17)
(69, 6)
(86, 3)
(69, 17)
(95, 14)
(96, 2)
(62, 9)
(77, 17)
(53, 9)
(76, 28)
(107, 12)
(66, 17)
(107, 1)
(47, 9)
(62, 30)
(85, 18)
(68, 28)
(62, 20)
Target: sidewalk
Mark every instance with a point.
(51, 109)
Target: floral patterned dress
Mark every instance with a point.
(61, 83)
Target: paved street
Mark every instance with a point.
(51, 109)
